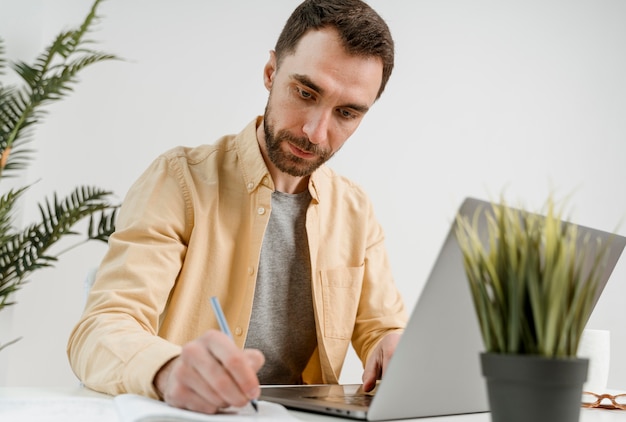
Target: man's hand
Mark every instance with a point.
(379, 359)
(210, 374)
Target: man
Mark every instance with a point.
(291, 250)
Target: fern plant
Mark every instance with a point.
(49, 79)
(531, 292)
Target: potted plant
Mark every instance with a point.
(49, 79)
(533, 296)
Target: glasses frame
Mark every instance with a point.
(614, 405)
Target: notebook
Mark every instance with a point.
(135, 408)
(435, 369)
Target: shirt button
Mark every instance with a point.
(238, 331)
(250, 270)
(260, 210)
(250, 185)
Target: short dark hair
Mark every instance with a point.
(362, 31)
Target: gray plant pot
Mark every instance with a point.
(525, 388)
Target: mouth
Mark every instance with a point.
(300, 153)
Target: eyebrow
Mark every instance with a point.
(306, 81)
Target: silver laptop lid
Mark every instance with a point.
(437, 361)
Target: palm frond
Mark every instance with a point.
(29, 250)
(51, 78)
(58, 217)
(104, 227)
(7, 203)
(2, 346)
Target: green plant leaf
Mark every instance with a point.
(531, 293)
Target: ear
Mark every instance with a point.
(269, 71)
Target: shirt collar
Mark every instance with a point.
(253, 166)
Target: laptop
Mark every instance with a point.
(435, 369)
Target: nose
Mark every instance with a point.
(316, 127)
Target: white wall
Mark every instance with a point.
(486, 95)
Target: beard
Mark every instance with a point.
(285, 161)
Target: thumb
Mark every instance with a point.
(370, 374)
(255, 358)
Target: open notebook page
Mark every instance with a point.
(134, 408)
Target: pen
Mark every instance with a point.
(221, 320)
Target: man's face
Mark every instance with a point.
(318, 97)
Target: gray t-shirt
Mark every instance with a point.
(282, 325)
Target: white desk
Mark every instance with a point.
(587, 415)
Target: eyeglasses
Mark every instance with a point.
(590, 399)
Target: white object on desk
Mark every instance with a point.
(56, 409)
(596, 346)
(134, 408)
(83, 407)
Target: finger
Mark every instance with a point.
(370, 374)
(207, 376)
(199, 404)
(255, 358)
(228, 369)
(191, 400)
(242, 367)
(186, 390)
(369, 382)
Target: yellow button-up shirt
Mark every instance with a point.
(191, 227)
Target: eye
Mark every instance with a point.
(304, 94)
(346, 114)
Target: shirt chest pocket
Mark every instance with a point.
(341, 290)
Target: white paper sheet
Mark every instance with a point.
(134, 408)
(57, 409)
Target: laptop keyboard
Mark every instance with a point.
(355, 399)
